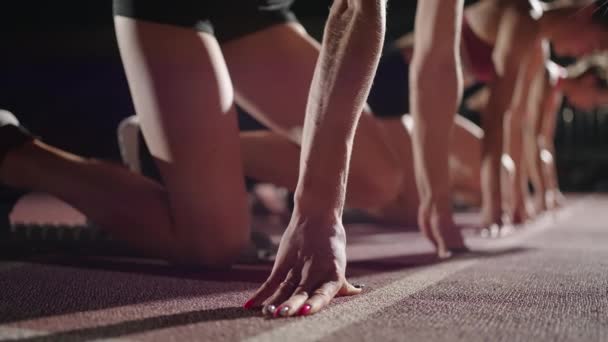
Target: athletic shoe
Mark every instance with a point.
(134, 150)
(12, 135)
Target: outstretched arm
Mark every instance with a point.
(550, 105)
(535, 86)
(515, 39)
(435, 71)
(311, 262)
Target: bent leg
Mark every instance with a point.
(183, 96)
(131, 207)
(270, 158)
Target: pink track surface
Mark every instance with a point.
(546, 280)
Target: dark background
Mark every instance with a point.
(60, 72)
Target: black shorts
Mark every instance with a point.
(389, 96)
(226, 19)
(390, 93)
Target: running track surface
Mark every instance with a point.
(545, 281)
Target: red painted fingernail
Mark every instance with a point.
(248, 304)
(305, 310)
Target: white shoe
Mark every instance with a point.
(8, 118)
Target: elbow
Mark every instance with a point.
(364, 20)
(436, 75)
(432, 70)
(438, 54)
(438, 62)
(359, 9)
(367, 6)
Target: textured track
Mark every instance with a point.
(545, 281)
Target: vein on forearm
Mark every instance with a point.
(348, 59)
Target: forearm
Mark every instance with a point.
(523, 144)
(435, 70)
(353, 39)
(509, 96)
(515, 147)
(541, 95)
(551, 106)
(547, 136)
(535, 168)
(492, 144)
(532, 132)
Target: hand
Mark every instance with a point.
(437, 224)
(309, 270)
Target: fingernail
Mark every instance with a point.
(269, 309)
(248, 304)
(359, 286)
(305, 310)
(284, 311)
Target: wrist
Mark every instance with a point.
(317, 224)
(320, 198)
(319, 209)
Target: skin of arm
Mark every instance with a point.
(564, 81)
(551, 102)
(435, 69)
(515, 40)
(534, 86)
(311, 262)
(342, 79)
(545, 101)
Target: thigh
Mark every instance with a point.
(183, 95)
(272, 70)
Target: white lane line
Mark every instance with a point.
(338, 317)
(8, 333)
(318, 326)
(18, 333)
